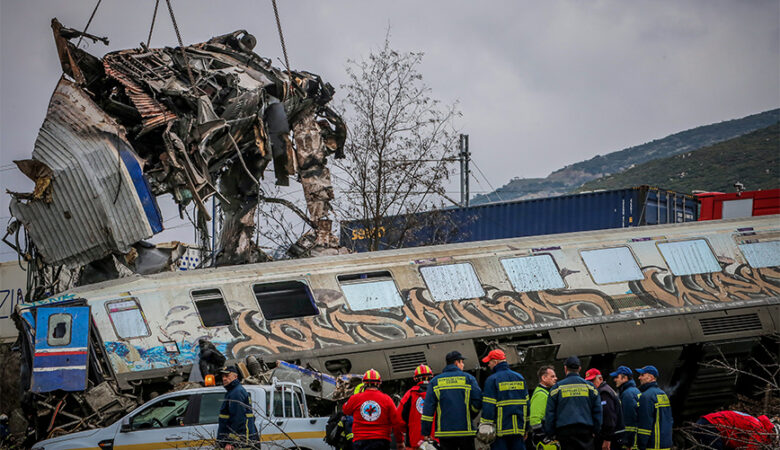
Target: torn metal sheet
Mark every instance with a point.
(100, 202)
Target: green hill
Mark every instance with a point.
(569, 178)
(752, 159)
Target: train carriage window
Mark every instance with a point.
(373, 290)
(611, 265)
(127, 318)
(59, 329)
(533, 273)
(689, 257)
(285, 300)
(452, 282)
(211, 307)
(762, 254)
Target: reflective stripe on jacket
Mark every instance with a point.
(629, 403)
(453, 397)
(654, 418)
(505, 401)
(236, 420)
(573, 401)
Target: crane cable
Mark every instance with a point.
(181, 45)
(281, 40)
(92, 16)
(151, 28)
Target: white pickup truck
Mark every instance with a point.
(187, 419)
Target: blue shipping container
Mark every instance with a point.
(621, 208)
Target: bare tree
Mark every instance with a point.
(401, 144)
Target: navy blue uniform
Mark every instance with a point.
(629, 403)
(505, 404)
(654, 418)
(454, 397)
(236, 420)
(573, 412)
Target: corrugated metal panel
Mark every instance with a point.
(95, 208)
(569, 213)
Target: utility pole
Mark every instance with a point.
(465, 157)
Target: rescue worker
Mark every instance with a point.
(454, 398)
(504, 403)
(730, 430)
(374, 416)
(411, 406)
(629, 404)
(654, 417)
(611, 416)
(573, 414)
(547, 378)
(236, 419)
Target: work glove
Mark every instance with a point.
(486, 433)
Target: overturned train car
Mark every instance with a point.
(669, 295)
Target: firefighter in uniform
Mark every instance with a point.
(411, 406)
(654, 417)
(573, 413)
(504, 403)
(236, 427)
(454, 398)
(629, 403)
(374, 416)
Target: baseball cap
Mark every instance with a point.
(622, 370)
(572, 362)
(453, 356)
(494, 354)
(228, 369)
(591, 374)
(648, 369)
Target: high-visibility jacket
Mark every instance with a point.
(743, 431)
(453, 398)
(573, 401)
(374, 416)
(236, 419)
(629, 404)
(538, 406)
(505, 401)
(411, 408)
(654, 418)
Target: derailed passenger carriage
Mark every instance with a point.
(671, 296)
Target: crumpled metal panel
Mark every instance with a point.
(95, 208)
(123, 67)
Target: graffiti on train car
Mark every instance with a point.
(420, 315)
(735, 282)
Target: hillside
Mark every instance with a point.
(569, 178)
(753, 160)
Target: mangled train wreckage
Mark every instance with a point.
(670, 295)
(193, 122)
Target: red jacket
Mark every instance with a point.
(410, 409)
(374, 416)
(742, 431)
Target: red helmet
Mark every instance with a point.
(422, 370)
(371, 376)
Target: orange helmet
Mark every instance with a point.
(372, 376)
(423, 371)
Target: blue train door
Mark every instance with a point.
(61, 349)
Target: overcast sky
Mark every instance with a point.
(541, 84)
